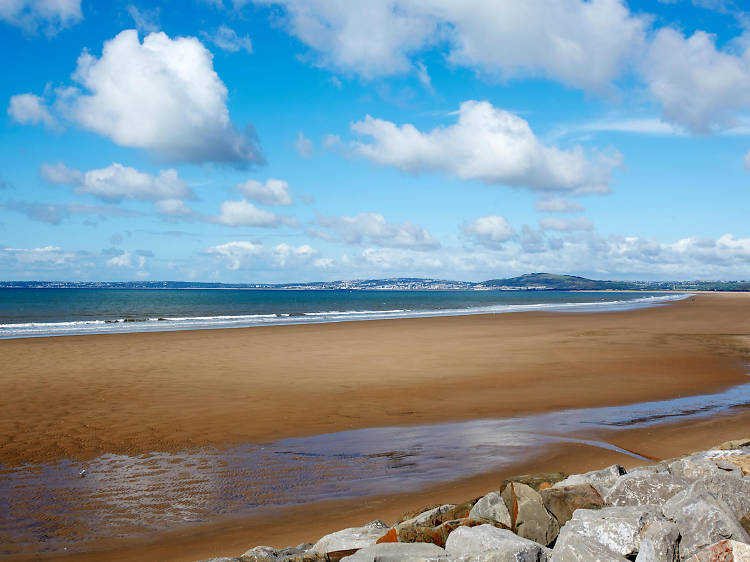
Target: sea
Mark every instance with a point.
(28, 312)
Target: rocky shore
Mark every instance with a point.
(694, 508)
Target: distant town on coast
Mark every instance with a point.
(528, 282)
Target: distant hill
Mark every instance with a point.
(550, 281)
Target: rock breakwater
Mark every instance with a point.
(694, 508)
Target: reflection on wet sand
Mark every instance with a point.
(52, 507)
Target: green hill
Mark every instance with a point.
(558, 282)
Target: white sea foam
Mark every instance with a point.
(118, 325)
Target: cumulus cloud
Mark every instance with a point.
(699, 86)
(244, 213)
(242, 254)
(31, 260)
(371, 38)
(162, 95)
(227, 39)
(117, 182)
(490, 231)
(127, 260)
(489, 145)
(583, 44)
(48, 15)
(563, 225)
(146, 21)
(29, 109)
(557, 205)
(372, 228)
(284, 254)
(272, 192)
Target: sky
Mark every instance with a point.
(301, 140)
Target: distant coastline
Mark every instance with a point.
(528, 282)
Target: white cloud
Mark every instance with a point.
(557, 205)
(371, 38)
(490, 231)
(173, 208)
(127, 260)
(48, 257)
(699, 87)
(746, 161)
(647, 125)
(330, 141)
(374, 229)
(285, 254)
(243, 213)
(583, 44)
(227, 39)
(28, 109)
(489, 145)
(162, 95)
(273, 192)
(49, 15)
(237, 254)
(60, 174)
(117, 182)
(242, 254)
(303, 145)
(563, 225)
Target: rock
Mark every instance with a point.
(394, 552)
(488, 543)
(703, 519)
(353, 538)
(537, 481)
(733, 444)
(562, 501)
(433, 517)
(642, 488)
(742, 461)
(221, 559)
(616, 528)
(529, 518)
(659, 542)
(572, 547)
(406, 533)
(722, 479)
(493, 508)
(412, 514)
(259, 554)
(602, 479)
(723, 551)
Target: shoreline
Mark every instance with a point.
(77, 397)
(164, 324)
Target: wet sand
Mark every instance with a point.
(76, 397)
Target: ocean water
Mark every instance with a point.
(48, 312)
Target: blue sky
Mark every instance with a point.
(265, 141)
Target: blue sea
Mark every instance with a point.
(49, 312)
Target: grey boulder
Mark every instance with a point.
(602, 479)
(659, 542)
(486, 543)
(571, 547)
(354, 537)
(723, 551)
(493, 508)
(616, 528)
(530, 519)
(393, 552)
(643, 488)
(703, 519)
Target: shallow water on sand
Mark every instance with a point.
(53, 507)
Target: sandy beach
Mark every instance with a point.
(77, 397)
